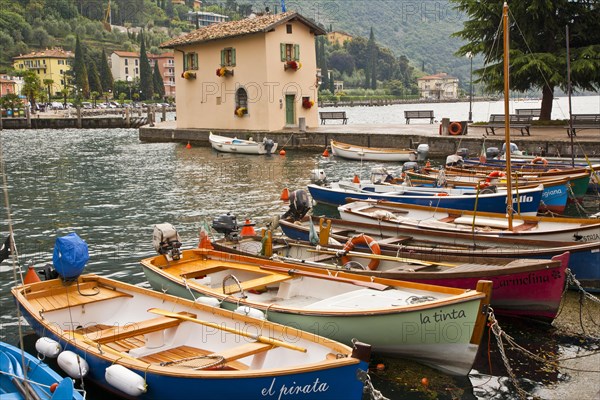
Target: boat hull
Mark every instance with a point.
(361, 153)
(528, 201)
(239, 146)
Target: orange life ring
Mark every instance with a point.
(495, 175)
(455, 128)
(539, 159)
(362, 239)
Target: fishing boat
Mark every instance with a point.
(241, 146)
(362, 153)
(145, 344)
(336, 194)
(439, 246)
(149, 345)
(523, 287)
(402, 319)
(24, 376)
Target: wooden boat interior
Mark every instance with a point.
(160, 331)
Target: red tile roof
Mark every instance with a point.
(224, 30)
(48, 53)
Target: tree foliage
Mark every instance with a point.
(537, 45)
(106, 77)
(146, 80)
(79, 70)
(157, 80)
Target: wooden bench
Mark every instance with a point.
(583, 121)
(333, 115)
(419, 114)
(521, 122)
(534, 112)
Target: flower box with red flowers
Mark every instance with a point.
(224, 72)
(188, 75)
(293, 65)
(308, 104)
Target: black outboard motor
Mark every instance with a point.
(463, 152)
(166, 241)
(48, 273)
(227, 225)
(410, 166)
(268, 143)
(299, 205)
(492, 152)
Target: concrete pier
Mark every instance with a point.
(549, 140)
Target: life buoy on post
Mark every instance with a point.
(540, 160)
(362, 239)
(455, 128)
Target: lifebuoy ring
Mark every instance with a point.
(539, 159)
(455, 128)
(495, 175)
(362, 239)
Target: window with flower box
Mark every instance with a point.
(228, 57)
(290, 52)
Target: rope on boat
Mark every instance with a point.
(571, 281)
(373, 393)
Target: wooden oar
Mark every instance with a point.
(384, 257)
(293, 271)
(260, 338)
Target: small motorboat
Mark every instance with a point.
(241, 146)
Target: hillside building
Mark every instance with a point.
(439, 86)
(7, 85)
(166, 67)
(125, 66)
(258, 73)
(203, 18)
(338, 37)
(51, 64)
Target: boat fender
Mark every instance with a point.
(125, 380)
(441, 194)
(362, 239)
(539, 160)
(208, 301)
(250, 312)
(75, 366)
(495, 175)
(48, 347)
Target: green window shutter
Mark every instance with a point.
(282, 48)
(185, 62)
(222, 58)
(297, 52)
(195, 60)
(233, 57)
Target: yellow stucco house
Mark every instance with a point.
(47, 64)
(257, 74)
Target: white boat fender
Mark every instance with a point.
(250, 312)
(48, 347)
(75, 366)
(208, 301)
(125, 380)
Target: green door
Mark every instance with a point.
(290, 111)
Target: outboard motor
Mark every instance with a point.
(463, 152)
(422, 152)
(492, 152)
(166, 241)
(454, 160)
(410, 166)
(227, 225)
(380, 175)
(514, 149)
(268, 144)
(318, 177)
(70, 256)
(299, 205)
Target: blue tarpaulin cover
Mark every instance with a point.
(70, 256)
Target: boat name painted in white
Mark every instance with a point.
(522, 199)
(284, 390)
(442, 316)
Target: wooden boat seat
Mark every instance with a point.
(245, 350)
(259, 283)
(115, 333)
(58, 298)
(189, 353)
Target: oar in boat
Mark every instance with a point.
(293, 271)
(260, 338)
(384, 257)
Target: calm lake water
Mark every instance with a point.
(112, 189)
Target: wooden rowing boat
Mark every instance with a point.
(241, 146)
(363, 153)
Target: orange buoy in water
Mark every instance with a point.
(188, 146)
(31, 276)
(425, 382)
(326, 153)
(285, 195)
(380, 367)
(248, 229)
(204, 242)
(282, 152)
(356, 179)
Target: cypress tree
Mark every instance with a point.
(146, 81)
(94, 79)
(80, 71)
(106, 78)
(371, 70)
(159, 85)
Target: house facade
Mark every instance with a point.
(7, 85)
(253, 74)
(53, 64)
(203, 18)
(438, 86)
(338, 37)
(166, 67)
(125, 65)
